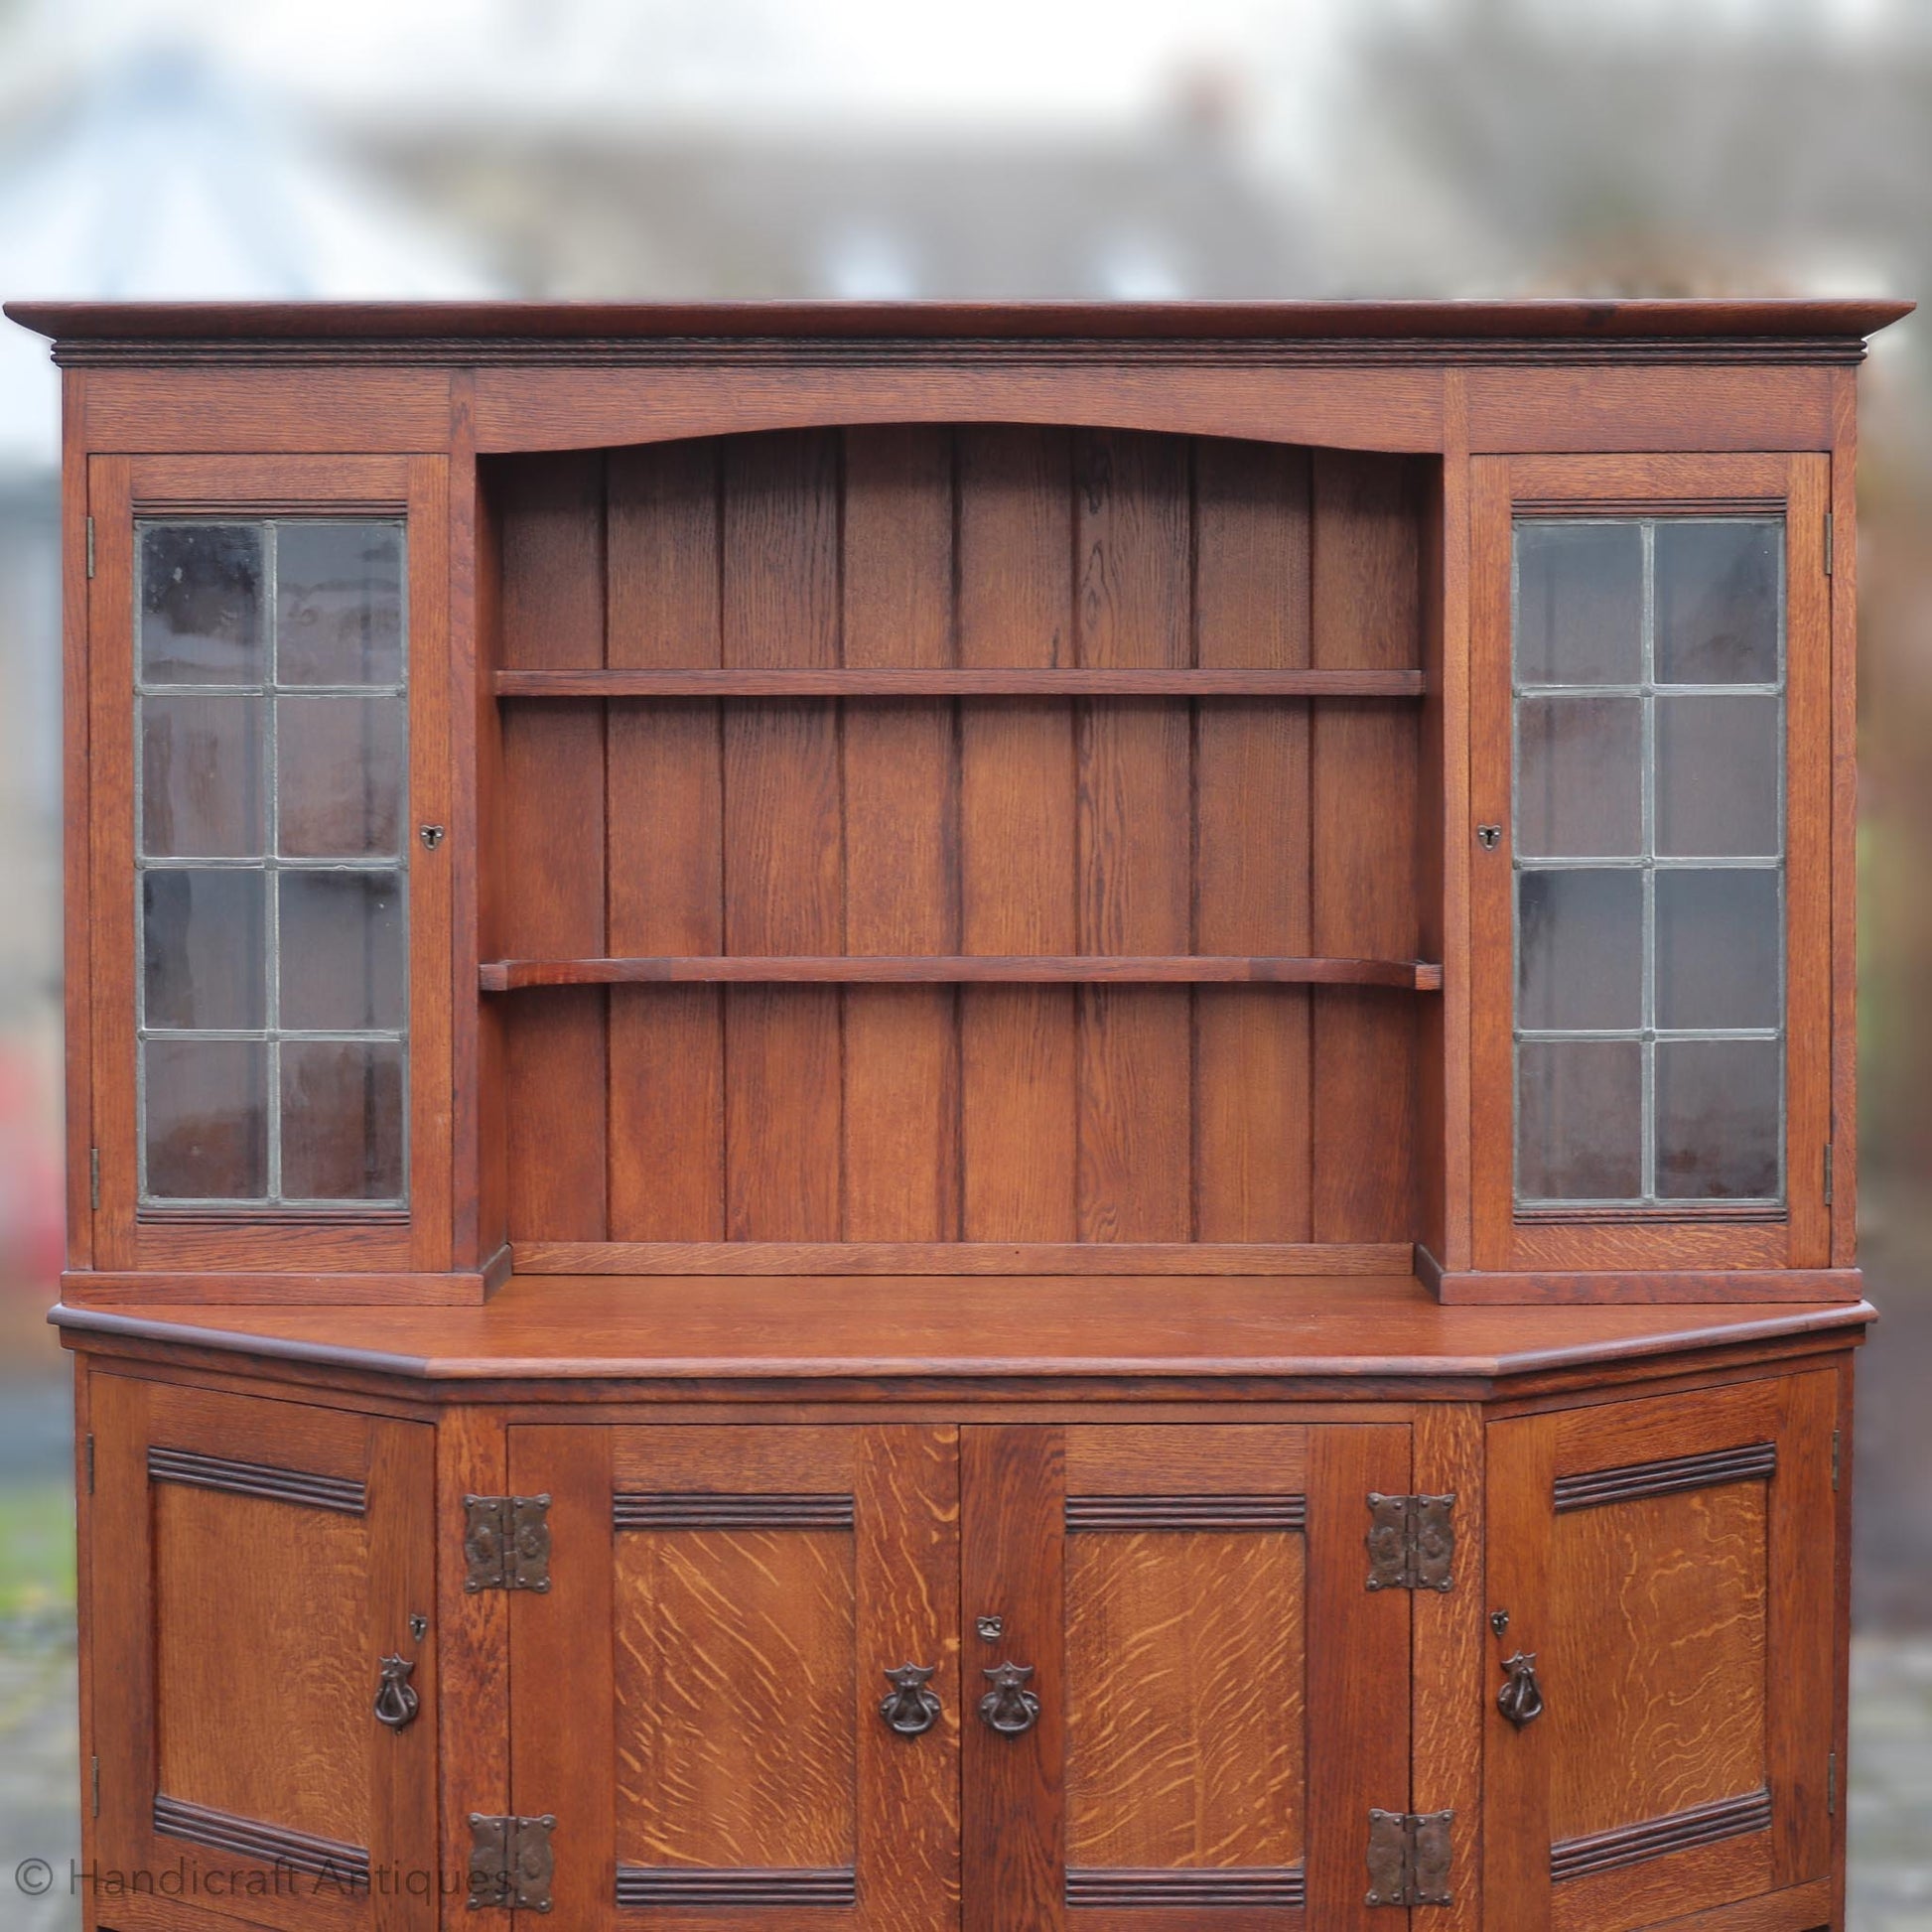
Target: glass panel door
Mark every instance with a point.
(271, 884)
(1649, 705)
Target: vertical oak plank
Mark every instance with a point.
(783, 864)
(1252, 1147)
(472, 1644)
(1013, 1509)
(112, 1049)
(402, 1584)
(1801, 1719)
(1451, 1667)
(1446, 846)
(563, 1744)
(1844, 816)
(906, 1505)
(430, 872)
(77, 805)
(553, 833)
(666, 858)
(1808, 973)
(1359, 1670)
(1516, 1773)
(120, 1637)
(1019, 1133)
(1135, 823)
(1367, 583)
(901, 1123)
(1492, 933)
(1843, 1483)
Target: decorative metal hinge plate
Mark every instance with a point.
(511, 1863)
(1409, 1858)
(1411, 1542)
(506, 1542)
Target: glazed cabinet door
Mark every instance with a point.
(269, 885)
(261, 1660)
(1652, 893)
(1184, 1697)
(1662, 1712)
(738, 1699)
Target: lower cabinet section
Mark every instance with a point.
(1005, 1676)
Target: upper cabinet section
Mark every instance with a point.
(1651, 680)
(1233, 789)
(266, 733)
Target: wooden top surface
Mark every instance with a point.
(999, 1326)
(1575, 321)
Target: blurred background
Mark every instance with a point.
(1077, 148)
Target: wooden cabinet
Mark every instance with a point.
(962, 1118)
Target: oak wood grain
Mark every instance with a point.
(783, 858)
(1019, 1131)
(1366, 592)
(1183, 1752)
(664, 862)
(552, 608)
(900, 1117)
(857, 679)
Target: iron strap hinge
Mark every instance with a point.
(1411, 1542)
(506, 1543)
(1408, 1855)
(511, 1863)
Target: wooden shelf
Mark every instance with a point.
(978, 683)
(1177, 969)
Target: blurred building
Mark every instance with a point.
(1153, 212)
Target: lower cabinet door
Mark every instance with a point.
(1183, 1697)
(261, 1661)
(738, 1700)
(1661, 1710)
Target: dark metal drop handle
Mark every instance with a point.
(1521, 1699)
(1009, 1707)
(911, 1709)
(396, 1702)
